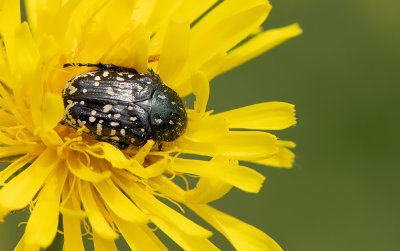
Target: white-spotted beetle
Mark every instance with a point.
(122, 107)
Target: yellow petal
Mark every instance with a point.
(27, 57)
(160, 13)
(174, 51)
(263, 116)
(201, 89)
(187, 242)
(20, 190)
(259, 44)
(192, 9)
(207, 190)
(240, 176)
(118, 160)
(7, 140)
(168, 188)
(141, 55)
(14, 167)
(143, 10)
(207, 129)
(96, 218)
(22, 246)
(7, 119)
(115, 16)
(155, 207)
(10, 16)
(82, 171)
(3, 213)
(7, 151)
(101, 244)
(53, 109)
(119, 203)
(237, 145)
(284, 157)
(138, 237)
(43, 222)
(242, 235)
(223, 32)
(72, 224)
(10, 20)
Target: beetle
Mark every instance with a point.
(120, 106)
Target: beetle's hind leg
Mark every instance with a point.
(110, 67)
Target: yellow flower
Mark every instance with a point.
(55, 169)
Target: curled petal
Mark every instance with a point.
(284, 157)
(78, 168)
(207, 190)
(242, 235)
(240, 176)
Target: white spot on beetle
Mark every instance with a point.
(130, 107)
(99, 128)
(96, 83)
(113, 132)
(97, 78)
(161, 96)
(133, 118)
(171, 122)
(139, 88)
(109, 115)
(148, 82)
(132, 140)
(123, 132)
(101, 121)
(158, 120)
(84, 90)
(92, 119)
(114, 123)
(116, 138)
(110, 90)
(81, 123)
(106, 73)
(120, 74)
(120, 79)
(174, 103)
(82, 102)
(117, 115)
(107, 108)
(142, 130)
(93, 112)
(130, 75)
(72, 89)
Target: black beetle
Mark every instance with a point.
(120, 106)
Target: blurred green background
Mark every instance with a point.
(343, 76)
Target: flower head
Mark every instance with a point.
(100, 189)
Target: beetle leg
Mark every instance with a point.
(159, 146)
